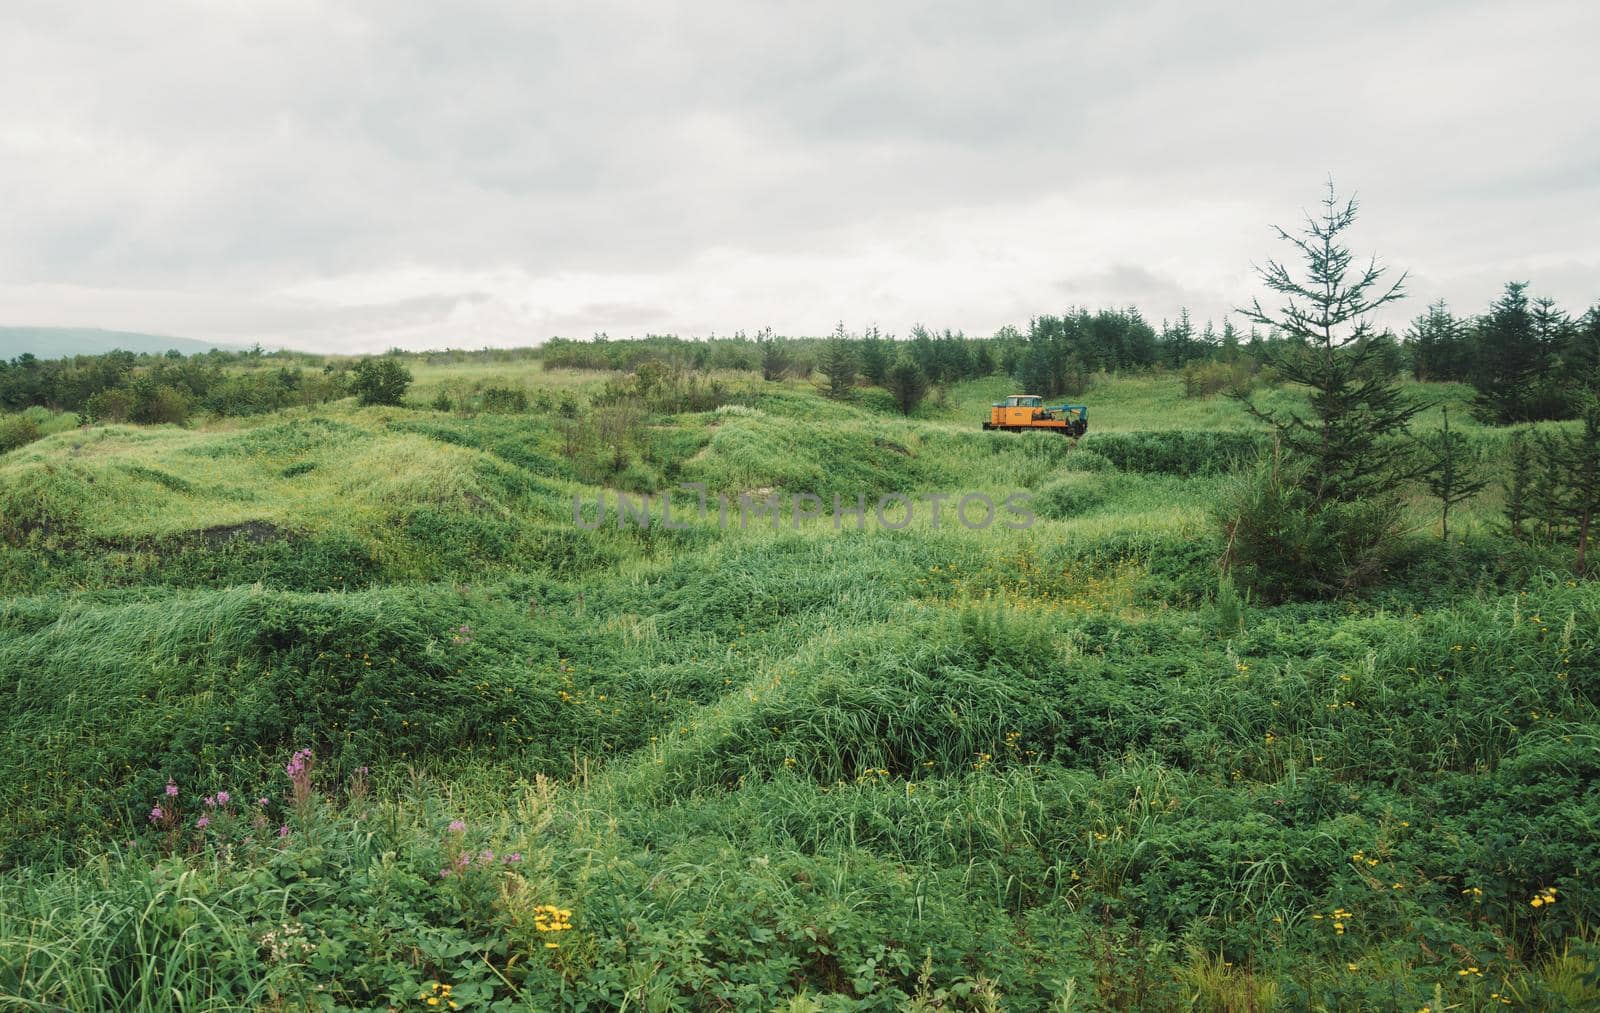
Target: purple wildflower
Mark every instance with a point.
(283, 831)
(458, 826)
(262, 801)
(298, 764)
(223, 798)
(156, 814)
(487, 856)
(172, 789)
(211, 801)
(515, 856)
(203, 822)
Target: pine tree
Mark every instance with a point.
(1436, 345)
(775, 358)
(1507, 363)
(1551, 331)
(1583, 479)
(983, 360)
(908, 383)
(1547, 493)
(1034, 373)
(1358, 412)
(1178, 340)
(1581, 357)
(839, 363)
(1452, 471)
(1519, 487)
(1230, 341)
(874, 357)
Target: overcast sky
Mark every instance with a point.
(350, 176)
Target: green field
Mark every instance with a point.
(778, 767)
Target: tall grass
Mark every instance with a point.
(778, 766)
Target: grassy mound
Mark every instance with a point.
(777, 767)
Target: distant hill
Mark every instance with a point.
(55, 342)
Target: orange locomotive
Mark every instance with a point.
(1027, 411)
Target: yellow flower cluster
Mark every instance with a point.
(1340, 916)
(438, 997)
(1544, 897)
(549, 918)
(1473, 891)
(1469, 972)
(1361, 858)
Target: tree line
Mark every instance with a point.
(1528, 360)
(120, 386)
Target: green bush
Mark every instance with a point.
(379, 381)
(1084, 459)
(1208, 379)
(1282, 546)
(1177, 452)
(504, 399)
(17, 431)
(1069, 497)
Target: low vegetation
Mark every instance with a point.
(334, 705)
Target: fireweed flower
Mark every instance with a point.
(299, 771)
(298, 764)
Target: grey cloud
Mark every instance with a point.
(181, 150)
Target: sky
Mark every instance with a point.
(351, 176)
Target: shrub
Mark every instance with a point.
(504, 399)
(1282, 544)
(17, 431)
(380, 381)
(1068, 497)
(1084, 459)
(1207, 379)
(1177, 452)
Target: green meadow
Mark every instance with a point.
(790, 765)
